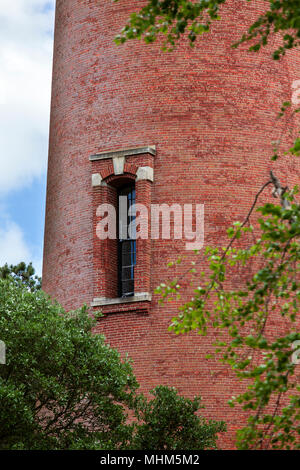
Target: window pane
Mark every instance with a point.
(127, 273)
(127, 288)
(127, 247)
(127, 259)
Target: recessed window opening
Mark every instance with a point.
(126, 240)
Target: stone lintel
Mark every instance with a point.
(124, 153)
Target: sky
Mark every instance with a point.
(26, 43)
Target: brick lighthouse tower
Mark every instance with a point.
(190, 127)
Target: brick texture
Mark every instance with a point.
(211, 112)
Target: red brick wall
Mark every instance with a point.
(211, 113)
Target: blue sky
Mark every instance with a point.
(26, 42)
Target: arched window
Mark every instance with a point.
(122, 180)
(126, 240)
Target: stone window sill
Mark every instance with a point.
(139, 297)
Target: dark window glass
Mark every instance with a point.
(127, 241)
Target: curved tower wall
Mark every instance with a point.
(210, 112)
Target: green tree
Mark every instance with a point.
(170, 422)
(22, 273)
(173, 18)
(62, 387)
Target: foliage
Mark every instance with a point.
(169, 422)
(257, 353)
(173, 18)
(62, 386)
(22, 273)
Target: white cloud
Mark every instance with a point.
(13, 247)
(25, 83)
